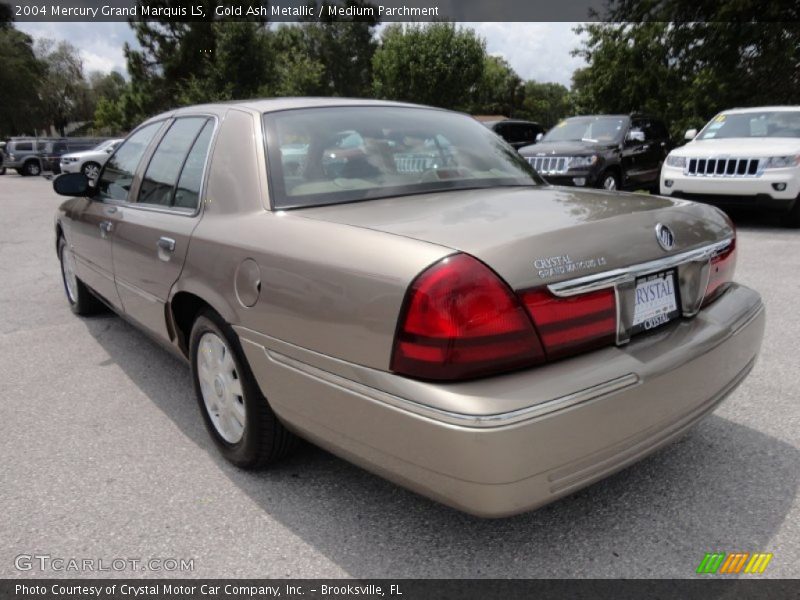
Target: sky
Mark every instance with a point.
(539, 51)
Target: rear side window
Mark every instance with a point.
(22, 147)
(161, 178)
(187, 194)
(117, 176)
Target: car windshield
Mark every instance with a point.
(106, 145)
(767, 124)
(321, 156)
(588, 129)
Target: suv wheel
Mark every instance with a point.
(91, 170)
(792, 218)
(609, 181)
(31, 168)
(236, 414)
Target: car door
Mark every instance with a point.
(152, 234)
(92, 220)
(637, 157)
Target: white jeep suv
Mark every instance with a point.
(745, 157)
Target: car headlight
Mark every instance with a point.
(582, 161)
(781, 162)
(676, 161)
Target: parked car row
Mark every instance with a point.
(745, 158)
(32, 156)
(398, 285)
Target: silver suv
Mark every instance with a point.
(22, 154)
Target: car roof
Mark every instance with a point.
(512, 122)
(267, 105)
(761, 109)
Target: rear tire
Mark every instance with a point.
(31, 168)
(792, 218)
(81, 300)
(236, 414)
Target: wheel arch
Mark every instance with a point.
(182, 310)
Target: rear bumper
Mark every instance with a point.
(556, 428)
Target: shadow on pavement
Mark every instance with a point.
(724, 487)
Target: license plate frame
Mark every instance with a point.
(656, 301)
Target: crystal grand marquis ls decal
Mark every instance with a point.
(552, 266)
(665, 237)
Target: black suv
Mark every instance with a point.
(606, 151)
(517, 133)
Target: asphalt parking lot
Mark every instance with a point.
(104, 456)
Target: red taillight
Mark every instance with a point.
(460, 320)
(721, 273)
(574, 324)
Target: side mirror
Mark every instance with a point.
(690, 135)
(73, 184)
(109, 150)
(635, 137)
(539, 137)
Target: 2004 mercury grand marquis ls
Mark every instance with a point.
(397, 285)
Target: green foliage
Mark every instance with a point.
(20, 76)
(437, 64)
(546, 103)
(688, 71)
(499, 91)
(63, 91)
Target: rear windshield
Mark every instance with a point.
(321, 156)
(767, 124)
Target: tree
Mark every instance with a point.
(20, 76)
(436, 64)
(688, 60)
(63, 91)
(500, 89)
(546, 103)
(344, 48)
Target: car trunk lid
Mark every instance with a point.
(532, 236)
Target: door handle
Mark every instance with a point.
(166, 244)
(105, 228)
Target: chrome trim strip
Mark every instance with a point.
(599, 281)
(464, 420)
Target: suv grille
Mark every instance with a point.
(549, 165)
(724, 167)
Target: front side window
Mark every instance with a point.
(766, 124)
(117, 176)
(321, 156)
(588, 129)
(165, 166)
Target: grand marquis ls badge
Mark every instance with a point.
(665, 237)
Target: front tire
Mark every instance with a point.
(608, 181)
(81, 300)
(236, 414)
(31, 168)
(91, 170)
(792, 218)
